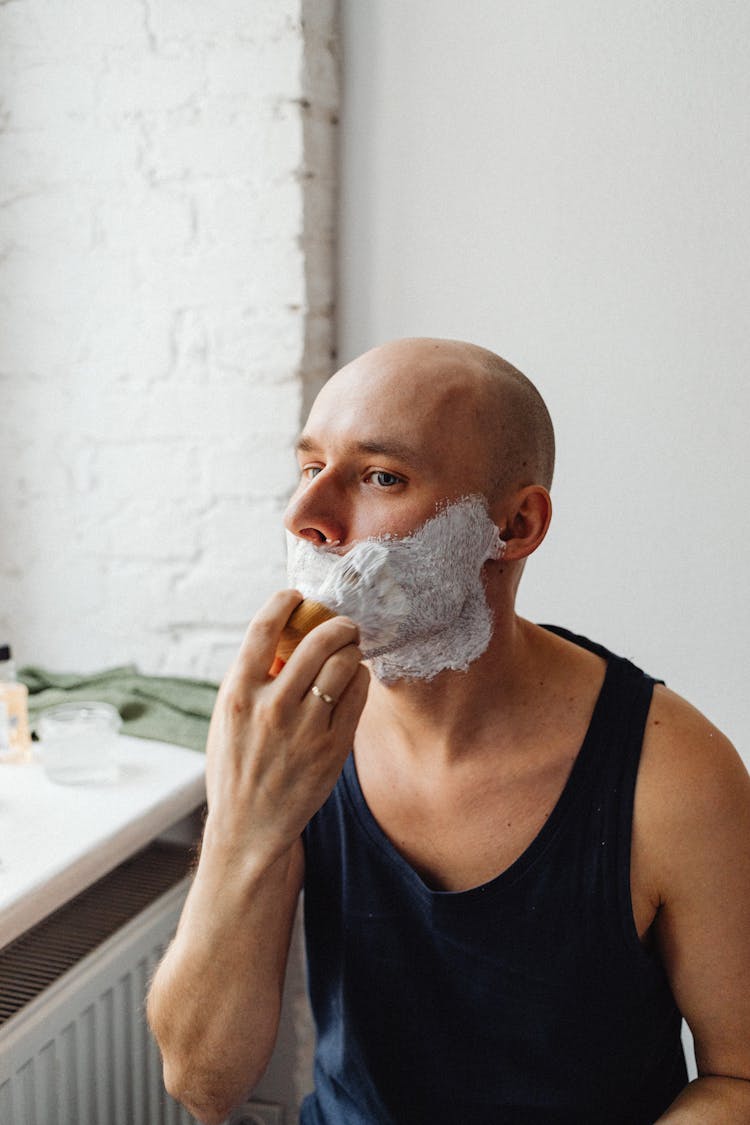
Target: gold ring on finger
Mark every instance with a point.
(323, 695)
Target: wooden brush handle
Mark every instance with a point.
(305, 617)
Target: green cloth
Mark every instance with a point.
(164, 708)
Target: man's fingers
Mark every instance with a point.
(333, 678)
(315, 651)
(258, 647)
(257, 655)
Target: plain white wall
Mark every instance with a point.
(567, 184)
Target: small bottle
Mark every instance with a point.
(15, 740)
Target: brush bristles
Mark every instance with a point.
(306, 616)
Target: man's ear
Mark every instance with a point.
(526, 522)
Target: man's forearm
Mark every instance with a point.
(214, 1002)
(711, 1099)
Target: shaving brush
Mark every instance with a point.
(305, 617)
(358, 585)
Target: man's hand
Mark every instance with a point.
(274, 748)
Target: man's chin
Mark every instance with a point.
(451, 648)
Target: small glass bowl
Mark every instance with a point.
(77, 742)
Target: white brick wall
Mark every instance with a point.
(166, 213)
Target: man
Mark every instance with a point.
(502, 926)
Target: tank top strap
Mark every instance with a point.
(608, 780)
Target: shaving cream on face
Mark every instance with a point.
(419, 601)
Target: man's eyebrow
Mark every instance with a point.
(304, 444)
(399, 450)
(386, 447)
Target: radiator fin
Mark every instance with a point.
(39, 957)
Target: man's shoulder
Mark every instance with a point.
(678, 735)
(691, 779)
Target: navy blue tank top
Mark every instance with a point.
(527, 1000)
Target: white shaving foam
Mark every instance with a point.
(419, 601)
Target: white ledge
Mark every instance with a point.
(56, 840)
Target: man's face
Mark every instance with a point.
(419, 600)
(392, 436)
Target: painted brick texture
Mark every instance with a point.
(167, 181)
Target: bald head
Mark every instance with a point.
(500, 417)
(519, 429)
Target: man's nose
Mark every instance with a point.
(316, 512)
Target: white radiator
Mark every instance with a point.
(74, 1045)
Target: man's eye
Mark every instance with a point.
(311, 471)
(383, 479)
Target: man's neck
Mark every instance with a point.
(456, 711)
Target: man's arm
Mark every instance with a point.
(273, 755)
(693, 835)
(215, 1001)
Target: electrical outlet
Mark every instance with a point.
(257, 1113)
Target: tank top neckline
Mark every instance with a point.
(574, 785)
